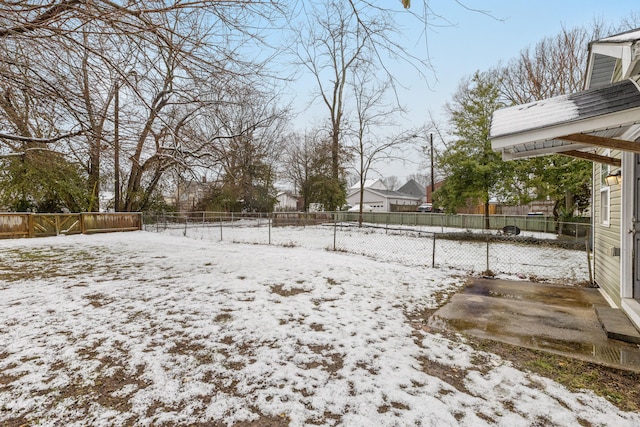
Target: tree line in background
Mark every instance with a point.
(140, 98)
(143, 99)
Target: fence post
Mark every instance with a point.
(433, 252)
(186, 219)
(487, 270)
(82, 227)
(31, 226)
(269, 222)
(220, 218)
(335, 231)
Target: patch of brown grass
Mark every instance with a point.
(620, 387)
(280, 290)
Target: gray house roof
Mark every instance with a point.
(551, 125)
(389, 194)
(412, 188)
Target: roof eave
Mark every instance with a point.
(619, 119)
(508, 155)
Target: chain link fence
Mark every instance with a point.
(532, 254)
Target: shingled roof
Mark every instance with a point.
(547, 126)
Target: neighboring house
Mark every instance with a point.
(375, 184)
(189, 194)
(376, 195)
(287, 202)
(600, 124)
(412, 188)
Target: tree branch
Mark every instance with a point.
(39, 140)
(51, 13)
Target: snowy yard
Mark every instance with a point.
(407, 245)
(153, 329)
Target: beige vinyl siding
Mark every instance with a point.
(607, 237)
(617, 72)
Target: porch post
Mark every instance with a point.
(626, 215)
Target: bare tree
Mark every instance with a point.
(309, 167)
(373, 115)
(298, 163)
(391, 182)
(554, 66)
(32, 143)
(335, 39)
(329, 47)
(244, 140)
(630, 22)
(86, 52)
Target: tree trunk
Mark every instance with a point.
(486, 216)
(361, 216)
(568, 203)
(93, 180)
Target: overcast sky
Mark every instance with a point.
(479, 41)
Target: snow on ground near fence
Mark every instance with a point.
(145, 329)
(412, 246)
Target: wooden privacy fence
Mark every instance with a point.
(14, 225)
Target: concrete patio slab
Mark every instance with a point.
(553, 318)
(616, 324)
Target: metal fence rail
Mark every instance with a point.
(532, 255)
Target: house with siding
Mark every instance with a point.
(412, 188)
(600, 124)
(376, 195)
(287, 201)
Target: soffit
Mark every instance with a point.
(598, 117)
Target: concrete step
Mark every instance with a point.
(617, 325)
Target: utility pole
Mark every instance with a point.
(116, 148)
(433, 184)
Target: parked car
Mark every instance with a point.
(365, 208)
(425, 207)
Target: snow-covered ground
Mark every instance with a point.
(152, 329)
